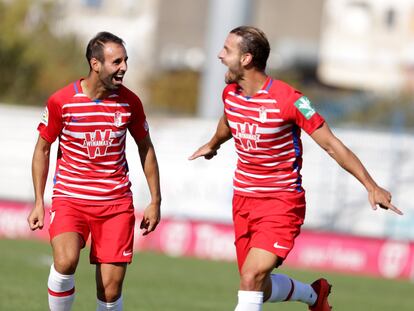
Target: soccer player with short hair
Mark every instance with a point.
(91, 193)
(265, 118)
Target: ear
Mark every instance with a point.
(95, 64)
(246, 59)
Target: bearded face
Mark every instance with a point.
(112, 70)
(231, 56)
(234, 73)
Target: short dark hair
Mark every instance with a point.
(254, 41)
(96, 44)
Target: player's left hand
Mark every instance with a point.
(380, 197)
(150, 219)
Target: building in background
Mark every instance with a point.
(134, 21)
(368, 45)
(170, 36)
(357, 45)
(292, 28)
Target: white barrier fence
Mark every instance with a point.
(201, 190)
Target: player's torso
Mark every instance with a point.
(94, 130)
(267, 143)
(91, 161)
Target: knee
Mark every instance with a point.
(65, 264)
(109, 292)
(252, 279)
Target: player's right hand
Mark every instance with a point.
(204, 151)
(36, 217)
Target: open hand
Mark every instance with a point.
(204, 151)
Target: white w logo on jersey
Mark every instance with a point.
(97, 143)
(247, 135)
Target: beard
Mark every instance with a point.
(110, 83)
(233, 76)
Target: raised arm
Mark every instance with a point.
(324, 137)
(222, 134)
(152, 213)
(40, 169)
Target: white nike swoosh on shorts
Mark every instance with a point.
(276, 245)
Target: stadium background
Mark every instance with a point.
(172, 47)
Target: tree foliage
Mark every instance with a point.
(34, 61)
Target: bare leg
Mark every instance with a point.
(61, 283)
(255, 273)
(66, 250)
(109, 280)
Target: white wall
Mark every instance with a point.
(202, 189)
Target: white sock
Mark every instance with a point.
(249, 301)
(61, 290)
(110, 306)
(287, 289)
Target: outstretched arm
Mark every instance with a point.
(152, 213)
(40, 169)
(209, 150)
(350, 162)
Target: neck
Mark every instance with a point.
(93, 88)
(252, 82)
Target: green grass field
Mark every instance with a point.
(159, 283)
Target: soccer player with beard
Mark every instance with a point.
(91, 194)
(265, 117)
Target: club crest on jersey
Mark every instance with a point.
(118, 119)
(247, 135)
(97, 143)
(262, 114)
(305, 107)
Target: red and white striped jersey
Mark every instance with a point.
(266, 129)
(91, 163)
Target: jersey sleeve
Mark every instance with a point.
(138, 127)
(51, 124)
(301, 112)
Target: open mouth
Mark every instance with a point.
(119, 78)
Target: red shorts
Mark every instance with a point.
(111, 227)
(271, 224)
